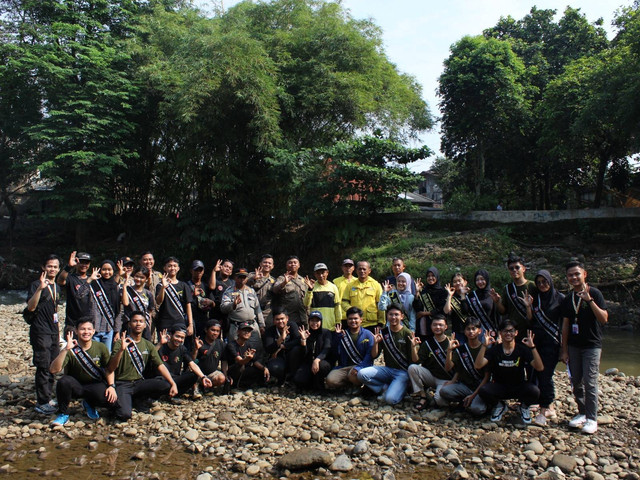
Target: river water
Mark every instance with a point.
(621, 349)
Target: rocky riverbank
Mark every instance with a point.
(274, 433)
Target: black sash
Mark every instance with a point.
(136, 299)
(468, 362)
(439, 354)
(547, 325)
(103, 305)
(480, 313)
(136, 357)
(456, 306)
(390, 346)
(427, 302)
(86, 362)
(175, 299)
(350, 348)
(515, 301)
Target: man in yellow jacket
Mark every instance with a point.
(364, 292)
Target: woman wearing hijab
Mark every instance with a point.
(479, 303)
(317, 362)
(104, 296)
(400, 293)
(430, 299)
(543, 311)
(457, 291)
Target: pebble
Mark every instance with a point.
(342, 463)
(566, 463)
(191, 435)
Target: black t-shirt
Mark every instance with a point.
(168, 313)
(76, 307)
(233, 350)
(585, 331)
(200, 315)
(176, 360)
(46, 309)
(210, 356)
(509, 369)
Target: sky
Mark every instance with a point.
(417, 34)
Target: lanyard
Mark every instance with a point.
(576, 306)
(54, 296)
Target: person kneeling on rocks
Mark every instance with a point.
(178, 361)
(282, 343)
(508, 363)
(467, 381)
(316, 363)
(209, 354)
(353, 351)
(129, 368)
(83, 361)
(400, 348)
(432, 371)
(245, 363)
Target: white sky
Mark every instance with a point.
(417, 34)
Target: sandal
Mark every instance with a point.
(422, 404)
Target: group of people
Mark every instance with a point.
(133, 334)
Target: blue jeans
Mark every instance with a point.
(584, 365)
(377, 378)
(104, 337)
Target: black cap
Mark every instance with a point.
(83, 256)
(197, 264)
(127, 261)
(245, 326)
(243, 272)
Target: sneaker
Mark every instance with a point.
(46, 408)
(525, 413)
(60, 420)
(498, 412)
(92, 413)
(577, 421)
(197, 394)
(590, 426)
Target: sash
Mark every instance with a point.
(427, 302)
(171, 292)
(480, 313)
(515, 301)
(350, 348)
(456, 306)
(136, 299)
(103, 305)
(86, 362)
(391, 347)
(136, 357)
(467, 360)
(439, 354)
(547, 325)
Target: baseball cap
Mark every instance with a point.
(127, 260)
(197, 264)
(245, 326)
(320, 266)
(316, 314)
(83, 256)
(347, 261)
(241, 272)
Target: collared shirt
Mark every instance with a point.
(248, 310)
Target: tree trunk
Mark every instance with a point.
(602, 170)
(13, 216)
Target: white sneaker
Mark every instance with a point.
(525, 413)
(498, 412)
(577, 421)
(590, 426)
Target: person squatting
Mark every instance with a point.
(133, 334)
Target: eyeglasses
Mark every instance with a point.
(514, 268)
(542, 281)
(509, 331)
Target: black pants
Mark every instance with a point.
(549, 353)
(305, 378)
(184, 382)
(45, 349)
(138, 389)
(286, 363)
(245, 375)
(527, 393)
(69, 388)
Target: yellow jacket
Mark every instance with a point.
(365, 296)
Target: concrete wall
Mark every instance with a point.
(530, 216)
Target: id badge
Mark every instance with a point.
(55, 318)
(575, 329)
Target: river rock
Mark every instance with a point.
(252, 470)
(593, 476)
(305, 459)
(535, 446)
(611, 371)
(566, 463)
(192, 435)
(342, 463)
(204, 476)
(361, 447)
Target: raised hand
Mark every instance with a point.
(120, 267)
(450, 289)
(584, 293)
(304, 333)
(199, 343)
(71, 342)
(249, 353)
(415, 341)
(526, 298)
(44, 283)
(386, 286)
(73, 260)
(377, 335)
(489, 340)
(453, 343)
(528, 340)
(218, 266)
(419, 284)
(339, 330)
(258, 274)
(95, 274)
(165, 280)
(238, 299)
(495, 296)
(287, 277)
(310, 283)
(164, 337)
(126, 341)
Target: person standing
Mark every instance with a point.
(241, 305)
(262, 282)
(341, 282)
(365, 292)
(584, 312)
(430, 300)
(155, 277)
(323, 296)
(173, 298)
(397, 267)
(105, 296)
(289, 291)
(43, 299)
(202, 300)
(139, 298)
(72, 277)
(480, 305)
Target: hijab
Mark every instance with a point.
(550, 300)
(406, 297)
(437, 292)
(482, 292)
(109, 286)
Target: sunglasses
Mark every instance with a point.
(514, 268)
(509, 331)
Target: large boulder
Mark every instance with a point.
(305, 459)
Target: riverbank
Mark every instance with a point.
(249, 433)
